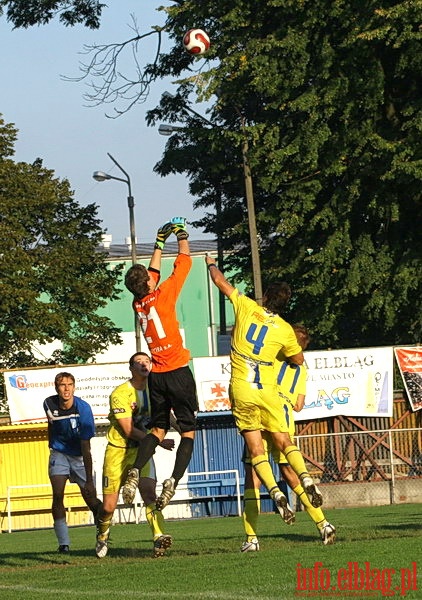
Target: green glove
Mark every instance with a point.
(178, 227)
(162, 234)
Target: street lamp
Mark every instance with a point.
(167, 130)
(164, 129)
(101, 176)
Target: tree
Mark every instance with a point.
(53, 277)
(327, 95)
(25, 13)
(108, 80)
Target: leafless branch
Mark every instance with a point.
(105, 72)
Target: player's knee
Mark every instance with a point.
(159, 433)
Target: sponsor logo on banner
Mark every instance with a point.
(354, 382)
(19, 382)
(212, 375)
(27, 389)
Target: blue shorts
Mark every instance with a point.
(71, 467)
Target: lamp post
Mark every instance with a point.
(253, 234)
(165, 129)
(101, 176)
(220, 258)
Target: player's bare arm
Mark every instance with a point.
(87, 458)
(178, 227)
(133, 433)
(162, 234)
(184, 247)
(296, 359)
(300, 403)
(130, 431)
(218, 278)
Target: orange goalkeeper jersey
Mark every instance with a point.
(158, 319)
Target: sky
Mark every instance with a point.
(73, 139)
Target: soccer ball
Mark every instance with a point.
(196, 41)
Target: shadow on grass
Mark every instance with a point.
(412, 527)
(21, 560)
(291, 536)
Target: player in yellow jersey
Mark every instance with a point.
(291, 382)
(258, 336)
(129, 420)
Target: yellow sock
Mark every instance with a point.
(295, 459)
(263, 470)
(251, 509)
(155, 520)
(316, 514)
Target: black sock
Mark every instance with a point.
(183, 456)
(146, 450)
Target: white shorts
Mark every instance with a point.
(70, 466)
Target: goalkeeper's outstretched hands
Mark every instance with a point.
(162, 235)
(178, 227)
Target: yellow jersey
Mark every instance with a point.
(258, 337)
(126, 401)
(291, 381)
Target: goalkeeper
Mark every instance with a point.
(171, 383)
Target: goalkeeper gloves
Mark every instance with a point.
(178, 227)
(162, 234)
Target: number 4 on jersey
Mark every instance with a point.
(258, 341)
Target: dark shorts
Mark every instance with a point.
(173, 390)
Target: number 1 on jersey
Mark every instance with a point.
(155, 318)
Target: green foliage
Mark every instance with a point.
(328, 96)
(53, 278)
(25, 13)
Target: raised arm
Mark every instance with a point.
(162, 235)
(178, 227)
(218, 278)
(184, 247)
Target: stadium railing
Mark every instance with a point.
(24, 501)
(208, 488)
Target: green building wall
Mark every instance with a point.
(197, 306)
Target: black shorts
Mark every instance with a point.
(173, 390)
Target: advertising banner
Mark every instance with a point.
(409, 361)
(354, 382)
(27, 389)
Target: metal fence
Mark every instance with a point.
(361, 468)
(352, 468)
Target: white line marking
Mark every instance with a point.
(208, 595)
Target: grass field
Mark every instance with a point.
(205, 563)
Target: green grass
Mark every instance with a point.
(204, 562)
